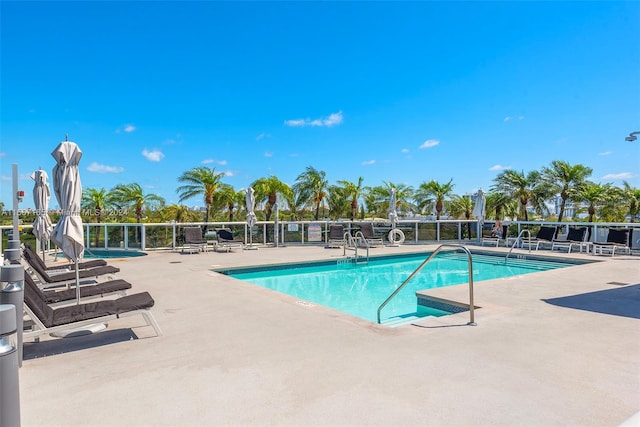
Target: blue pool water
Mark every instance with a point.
(107, 253)
(359, 289)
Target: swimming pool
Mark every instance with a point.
(108, 253)
(359, 289)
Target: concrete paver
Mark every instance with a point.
(555, 348)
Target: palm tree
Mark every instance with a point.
(96, 200)
(377, 198)
(132, 195)
(339, 202)
(198, 181)
(595, 195)
(353, 191)
(564, 179)
(631, 199)
(501, 204)
(297, 206)
(230, 197)
(433, 193)
(178, 213)
(312, 186)
(461, 206)
(268, 189)
(525, 188)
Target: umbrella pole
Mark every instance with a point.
(77, 283)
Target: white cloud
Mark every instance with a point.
(97, 167)
(126, 128)
(332, 119)
(153, 156)
(618, 176)
(3, 154)
(404, 150)
(605, 153)
(294, 155)
(368, 162)
(268, 154)
(429, 143)
(262, 136)
(510, 118)
(229, 173)
(499, 168)
(295, 123)
(217, 162)
(6, 178)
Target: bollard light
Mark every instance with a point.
(12, 292)
(9, 386)
(12, 255)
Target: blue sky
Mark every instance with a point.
(391, 91)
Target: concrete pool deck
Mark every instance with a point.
(556, 348)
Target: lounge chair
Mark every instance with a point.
(495, 240)
(575, 237)
(336, 237)
(98, 290)
(193, 240)
(545, 236)
(67, 276)
(366, 228)
(47, 320)
(617, 239)
(226, 240)
(57, 267)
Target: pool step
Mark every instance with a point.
(394, 322)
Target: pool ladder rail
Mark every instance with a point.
(515, 243)
(423, 264)
(353, 243)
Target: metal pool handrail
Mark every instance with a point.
(516, 242)
(421, 266)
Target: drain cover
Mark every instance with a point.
(617, 283)
(175, 262)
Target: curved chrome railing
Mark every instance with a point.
(421, 266)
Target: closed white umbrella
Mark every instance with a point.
(251, 216)
(479, 212)
(393, 214)
(480, 206)
(41, 195)
(68, 232)
(393, 217)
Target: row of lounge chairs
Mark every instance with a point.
(194, 242)
(52, 309)
(339, 238)
(577, 237)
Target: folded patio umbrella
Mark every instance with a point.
(41, 195)
(68, 233)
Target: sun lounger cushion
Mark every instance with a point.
(225, 235)
(71, 275)
(576, 234)
(97, 290)
(618, 236)
(65, 315)
(82, 265)
(93, 310)
(546, 233)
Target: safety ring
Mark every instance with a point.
(396, 236)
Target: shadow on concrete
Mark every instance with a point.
(34, 350)
(623, 301)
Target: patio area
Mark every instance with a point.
(556, 348)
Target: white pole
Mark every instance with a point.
(16, 231)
